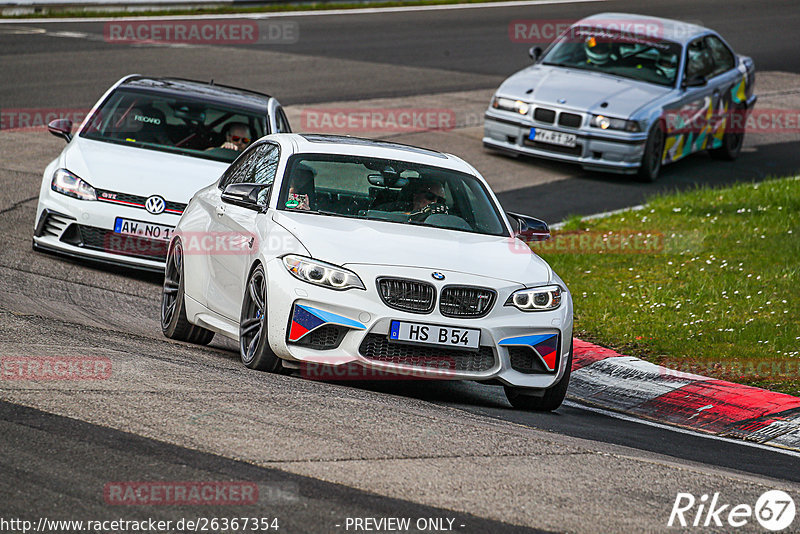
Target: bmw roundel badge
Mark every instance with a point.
(437, 275)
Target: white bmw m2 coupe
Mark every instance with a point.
(328, 250)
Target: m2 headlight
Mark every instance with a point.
(610, 123)
(66, 183)
(321, 273)
(543, 298)
(508, 104)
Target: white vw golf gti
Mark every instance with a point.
(117, 189)
(324, 250)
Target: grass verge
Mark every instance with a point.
(705, 281)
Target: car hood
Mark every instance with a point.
(346, 241)
(580, 90)
(139, 171)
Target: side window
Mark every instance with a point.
(721, 54)
(698, 60)
(281, 122)
(239, 170)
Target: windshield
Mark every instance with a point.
(388, 190)
(630, 56)
(172, 124)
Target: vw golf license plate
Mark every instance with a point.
(142, 229)
(431, 334)
(553, 138)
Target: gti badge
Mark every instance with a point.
(437, 275)
(155, 204)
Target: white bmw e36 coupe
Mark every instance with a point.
(319, 249)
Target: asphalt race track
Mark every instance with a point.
(324, 452)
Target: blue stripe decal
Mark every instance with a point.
(525, 340)
(334, 318)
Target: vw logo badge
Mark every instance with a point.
(155, 205)
(437, 276)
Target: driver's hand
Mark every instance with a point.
(229, 145)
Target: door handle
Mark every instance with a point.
(220, 211)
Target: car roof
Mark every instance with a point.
(208, 91)
(308, 143)
(668, 29)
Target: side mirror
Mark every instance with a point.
(694, 81)
(530, 229)
(535, 53)
(245, 195)
(61, 128)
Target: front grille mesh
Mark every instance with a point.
(570, 120)
(407, 295)
(323, 338)
(125, 245)
(465, 301)
(544, 115)
(525, 360)
(378, 348)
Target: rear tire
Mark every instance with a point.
(254, 349)
(731, 146)
(653, 153)
(174, 323)
(521, 398)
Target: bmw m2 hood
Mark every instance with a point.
(139, 171)
(580, 90)
(357, 241)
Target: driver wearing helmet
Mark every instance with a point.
(667, 65)
(597, 53)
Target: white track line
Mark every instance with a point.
(318, 13)
(680, 430)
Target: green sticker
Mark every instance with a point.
(292, 203)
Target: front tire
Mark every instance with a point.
(653, 153)
(174, 323)
(521, 399)
(254, 347)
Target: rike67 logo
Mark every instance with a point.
(774, 511)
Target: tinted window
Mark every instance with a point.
(258, 166)
(171, 124)
(722, 56)
(282, 123)
(698, 60)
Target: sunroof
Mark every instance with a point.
(347, 140)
